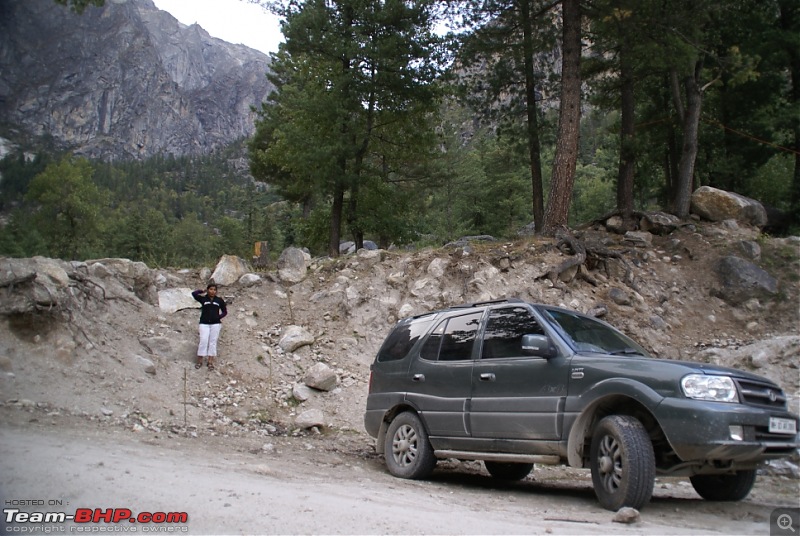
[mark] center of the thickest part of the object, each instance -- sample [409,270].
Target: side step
[543,459]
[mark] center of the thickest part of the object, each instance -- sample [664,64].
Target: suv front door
[515,396]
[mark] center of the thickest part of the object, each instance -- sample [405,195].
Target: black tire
[623,464]
[508,470]
[730,487]
[407,449]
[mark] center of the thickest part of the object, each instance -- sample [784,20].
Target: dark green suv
[513,384]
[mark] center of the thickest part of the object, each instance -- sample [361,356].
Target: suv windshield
[588,335]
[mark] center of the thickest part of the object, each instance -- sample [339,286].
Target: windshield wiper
[626,351]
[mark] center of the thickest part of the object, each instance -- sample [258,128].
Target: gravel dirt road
[306,486]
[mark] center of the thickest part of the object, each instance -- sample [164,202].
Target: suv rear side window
[452,340]
[402,339]
[504,331]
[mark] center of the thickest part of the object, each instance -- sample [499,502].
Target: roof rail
[489,302]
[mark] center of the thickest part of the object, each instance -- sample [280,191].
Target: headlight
[716,388]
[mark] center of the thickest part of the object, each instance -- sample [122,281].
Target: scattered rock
[249,280]
[627,515]
[321,377]
[148,366]
[295,337]
[749,249]
[310,419]
[640,239]
[742,280]
[619,296]
[437,267]
[659,223]
[301,392]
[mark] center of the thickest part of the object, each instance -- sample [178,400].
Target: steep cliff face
[124,81]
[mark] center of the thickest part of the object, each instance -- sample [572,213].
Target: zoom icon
[784,521]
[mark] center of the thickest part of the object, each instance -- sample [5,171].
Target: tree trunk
[534,147]
[691,126]
[627,156]
[566,158]
[336,218]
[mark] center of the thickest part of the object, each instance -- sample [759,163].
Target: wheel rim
[404,445]
[609,463]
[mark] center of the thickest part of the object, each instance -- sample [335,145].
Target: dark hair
[211,285]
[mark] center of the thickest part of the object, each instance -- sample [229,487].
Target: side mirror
[539,346]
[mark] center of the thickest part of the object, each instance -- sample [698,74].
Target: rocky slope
[123,81]
[113,341]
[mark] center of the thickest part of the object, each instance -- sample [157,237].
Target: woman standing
[212,311]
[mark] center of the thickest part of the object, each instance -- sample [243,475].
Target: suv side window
[402,339]
[452,339]
[504,331]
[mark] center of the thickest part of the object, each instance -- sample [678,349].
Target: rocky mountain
[123,81]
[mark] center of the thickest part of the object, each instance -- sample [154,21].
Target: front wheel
[622,461]
[508,470]
[408,451]
[730,487]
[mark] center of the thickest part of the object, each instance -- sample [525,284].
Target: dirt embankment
[101,403]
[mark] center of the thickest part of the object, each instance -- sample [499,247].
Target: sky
[235,21]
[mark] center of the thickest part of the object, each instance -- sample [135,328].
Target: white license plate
[782,426]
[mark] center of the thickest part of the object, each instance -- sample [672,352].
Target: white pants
[209,333]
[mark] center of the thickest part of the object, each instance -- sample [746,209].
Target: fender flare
[611,391]
[388,417]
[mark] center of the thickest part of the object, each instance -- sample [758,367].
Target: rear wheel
[622,461]
[508,470]
[407,449]
[730,487]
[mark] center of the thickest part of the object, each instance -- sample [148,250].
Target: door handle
[418,378]
[487,377]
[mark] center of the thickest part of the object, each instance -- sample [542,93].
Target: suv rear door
[515,396]
[442,374]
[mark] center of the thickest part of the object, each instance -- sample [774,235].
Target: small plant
[260,415]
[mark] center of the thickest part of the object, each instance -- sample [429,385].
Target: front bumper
[701,431]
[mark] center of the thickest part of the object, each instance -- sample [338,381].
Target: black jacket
[212,310]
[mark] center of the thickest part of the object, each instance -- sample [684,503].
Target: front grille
[762,394]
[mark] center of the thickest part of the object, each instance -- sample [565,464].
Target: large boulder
[138,278]
[718,205]
[293,265]
[171,300]
[742,280]
[229,269]
[33,284]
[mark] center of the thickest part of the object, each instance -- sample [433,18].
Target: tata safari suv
[513,384]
